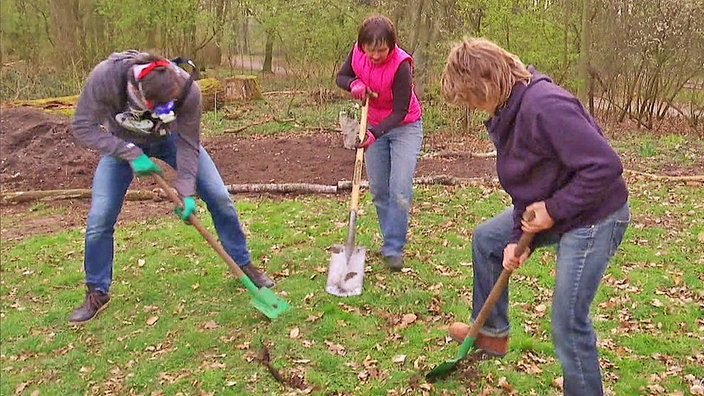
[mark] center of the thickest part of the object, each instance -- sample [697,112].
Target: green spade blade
[450,364]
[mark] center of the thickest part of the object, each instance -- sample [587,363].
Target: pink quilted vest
[380,78]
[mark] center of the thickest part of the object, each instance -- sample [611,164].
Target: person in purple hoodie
[553,160]
[378,65]
[133,106]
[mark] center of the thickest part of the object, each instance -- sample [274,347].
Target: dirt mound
[38,151]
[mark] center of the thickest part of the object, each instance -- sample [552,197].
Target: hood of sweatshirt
[498,126]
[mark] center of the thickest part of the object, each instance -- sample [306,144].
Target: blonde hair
[480,72]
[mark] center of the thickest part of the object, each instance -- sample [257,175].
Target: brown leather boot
[94,302]
[493,346]
[259,278]
[458,331]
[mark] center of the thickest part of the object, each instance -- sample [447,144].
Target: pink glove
[358,89]
[368,140]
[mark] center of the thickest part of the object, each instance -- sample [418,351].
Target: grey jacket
[104,95]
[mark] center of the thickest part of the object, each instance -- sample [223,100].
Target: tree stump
[211,90]
[242,87]
[232,89]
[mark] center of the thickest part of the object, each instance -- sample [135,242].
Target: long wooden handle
[501,283]
[194,221]
[359,159]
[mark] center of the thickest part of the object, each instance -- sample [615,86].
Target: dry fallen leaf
[399,359]
[294,333]
[20,388]
[557,382]
[503,383]
[151,320]
[409,318]
[336,349]
[210,325]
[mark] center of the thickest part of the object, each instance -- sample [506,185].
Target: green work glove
[143,166]
[189,206]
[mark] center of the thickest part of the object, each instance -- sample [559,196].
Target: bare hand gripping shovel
[264,300]
[494,295]
[346,270]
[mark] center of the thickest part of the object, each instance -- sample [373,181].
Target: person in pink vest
[377,65]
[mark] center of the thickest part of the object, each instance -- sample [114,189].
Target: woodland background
[632,58]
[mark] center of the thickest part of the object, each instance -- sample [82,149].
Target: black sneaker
[259,278]
[95,302]
[395,263]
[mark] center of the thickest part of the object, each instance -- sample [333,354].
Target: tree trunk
[268,51]
[584,52]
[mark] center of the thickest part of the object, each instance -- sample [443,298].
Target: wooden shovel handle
[502,282]
[194,221]
[359,159]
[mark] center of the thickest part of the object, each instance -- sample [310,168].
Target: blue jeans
[582,257]
[390,164]
[110,182]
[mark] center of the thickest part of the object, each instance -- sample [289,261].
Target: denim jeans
[390,164]
[582,257]
[110,182]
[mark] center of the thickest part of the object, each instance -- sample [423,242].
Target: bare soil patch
[38,152]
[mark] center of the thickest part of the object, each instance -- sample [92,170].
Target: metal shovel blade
[450,364]
[346,270]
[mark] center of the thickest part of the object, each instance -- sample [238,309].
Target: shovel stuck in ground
[346,270]
[501,283]
[264,299]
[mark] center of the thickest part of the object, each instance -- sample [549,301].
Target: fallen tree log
[56,195]
[459,153]
[295,188]
[299,188]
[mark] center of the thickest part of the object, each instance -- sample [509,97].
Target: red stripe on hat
[151,67]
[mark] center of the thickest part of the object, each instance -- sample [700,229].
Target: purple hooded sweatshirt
[550,149]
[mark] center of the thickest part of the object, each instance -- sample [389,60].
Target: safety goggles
[164,112]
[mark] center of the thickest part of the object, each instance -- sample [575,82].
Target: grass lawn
[179,323]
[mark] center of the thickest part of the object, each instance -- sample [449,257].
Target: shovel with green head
[494,295]
[264,299]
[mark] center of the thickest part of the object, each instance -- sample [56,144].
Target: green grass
[647,312]
[660,150]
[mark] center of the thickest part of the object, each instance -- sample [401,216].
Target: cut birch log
[299,188]
[460,153]
[56,195]
[295,188]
